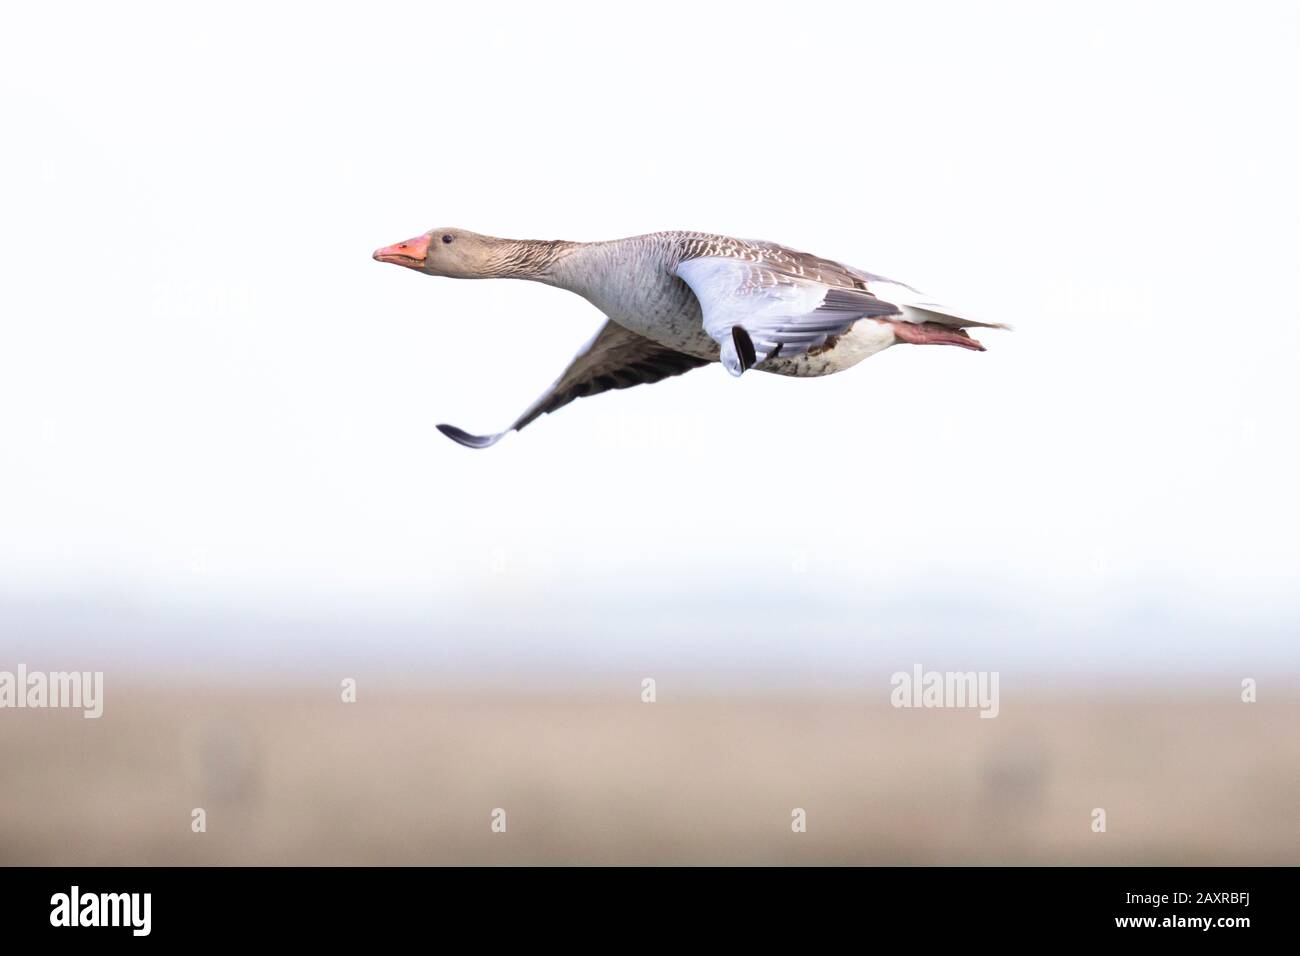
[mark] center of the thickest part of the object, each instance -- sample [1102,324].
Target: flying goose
[674,301]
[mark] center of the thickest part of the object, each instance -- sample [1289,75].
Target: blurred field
[409,776]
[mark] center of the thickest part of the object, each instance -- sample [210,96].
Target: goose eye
[447,238]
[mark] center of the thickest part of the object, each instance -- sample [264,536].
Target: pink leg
[932,333]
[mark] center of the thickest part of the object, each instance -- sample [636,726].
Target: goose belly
[863,340]
[662,313]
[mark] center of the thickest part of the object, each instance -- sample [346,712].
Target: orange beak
[410,253]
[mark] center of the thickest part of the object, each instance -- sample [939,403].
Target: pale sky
[210,393]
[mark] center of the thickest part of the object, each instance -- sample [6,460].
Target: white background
[211,396]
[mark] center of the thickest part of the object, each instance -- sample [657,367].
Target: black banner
[90,906]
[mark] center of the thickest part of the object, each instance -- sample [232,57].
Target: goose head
[452,252]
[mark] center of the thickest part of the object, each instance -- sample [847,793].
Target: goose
[675,301]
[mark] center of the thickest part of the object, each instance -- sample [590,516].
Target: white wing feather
[780,313]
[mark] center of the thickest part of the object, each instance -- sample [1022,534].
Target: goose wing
[614,358]
[755,309]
